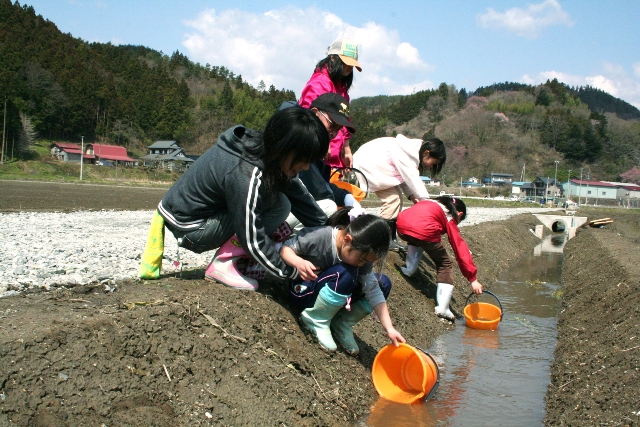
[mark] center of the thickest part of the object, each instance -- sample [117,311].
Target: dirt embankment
[147,354]
[595,377]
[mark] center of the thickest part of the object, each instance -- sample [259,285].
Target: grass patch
[41,167]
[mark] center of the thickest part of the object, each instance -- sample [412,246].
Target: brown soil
[147,355]
[595,377]
[64,197]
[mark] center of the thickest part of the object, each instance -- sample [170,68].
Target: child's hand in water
[306,270]
[395,336]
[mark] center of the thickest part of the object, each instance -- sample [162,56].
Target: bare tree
[27,137]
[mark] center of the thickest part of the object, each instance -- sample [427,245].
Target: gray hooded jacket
[222,180]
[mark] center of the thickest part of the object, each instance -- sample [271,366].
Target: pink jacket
[428,221]
[318,84]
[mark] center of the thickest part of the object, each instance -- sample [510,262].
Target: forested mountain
[596,99]
[507,126]
[601,101]
[64,88]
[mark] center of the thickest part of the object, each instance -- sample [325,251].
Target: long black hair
[454,206]
[436,150]
[369,233]
[335,67]
[293,131]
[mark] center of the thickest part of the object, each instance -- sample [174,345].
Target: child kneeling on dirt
[422,227]
[346,290]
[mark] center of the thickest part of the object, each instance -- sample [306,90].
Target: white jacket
[389,162]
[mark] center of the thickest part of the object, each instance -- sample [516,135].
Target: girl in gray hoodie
[237,194]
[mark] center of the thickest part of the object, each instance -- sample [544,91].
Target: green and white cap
[347,51]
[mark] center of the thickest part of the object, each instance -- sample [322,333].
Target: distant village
[544,190]
[162,154]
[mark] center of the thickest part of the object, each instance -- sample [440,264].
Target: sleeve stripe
[191,225]
[250,224]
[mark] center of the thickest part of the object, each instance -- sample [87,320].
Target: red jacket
[318,84]
[428,221]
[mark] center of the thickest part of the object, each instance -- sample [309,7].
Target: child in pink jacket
[422,227]
[334,74]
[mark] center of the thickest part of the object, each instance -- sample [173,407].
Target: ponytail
[340,218]
[454,206]
[369,233]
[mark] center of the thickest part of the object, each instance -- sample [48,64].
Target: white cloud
[281,47]
[527,22]
[614,80]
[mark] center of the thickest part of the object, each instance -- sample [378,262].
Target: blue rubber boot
[343,323]
[317,319]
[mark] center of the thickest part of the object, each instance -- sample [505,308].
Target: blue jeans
[216,230]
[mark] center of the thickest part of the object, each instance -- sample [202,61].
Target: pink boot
[224,269]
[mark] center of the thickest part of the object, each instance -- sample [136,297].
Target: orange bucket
[482,315]
[355,191]
[405,374]
[343,178]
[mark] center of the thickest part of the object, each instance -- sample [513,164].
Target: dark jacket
[316,179]
[222,180]
[316,182]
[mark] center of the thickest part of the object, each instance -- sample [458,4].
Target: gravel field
[51,249]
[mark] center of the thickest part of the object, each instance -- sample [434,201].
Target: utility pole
[555,182]
[4,123]
[546,193]
[586,196]
[81,157]
[580,187]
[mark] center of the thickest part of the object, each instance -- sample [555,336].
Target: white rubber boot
[412,260]
[443,296]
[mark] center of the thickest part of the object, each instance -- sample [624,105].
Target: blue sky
[405,46]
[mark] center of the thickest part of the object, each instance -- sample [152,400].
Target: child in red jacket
[422,227]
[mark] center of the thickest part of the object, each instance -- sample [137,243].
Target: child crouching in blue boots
[347,289]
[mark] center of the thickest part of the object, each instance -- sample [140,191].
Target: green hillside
[64,88]
[511,127]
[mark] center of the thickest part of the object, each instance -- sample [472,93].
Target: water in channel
[496,378]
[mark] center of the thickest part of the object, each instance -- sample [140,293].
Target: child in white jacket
[393,166]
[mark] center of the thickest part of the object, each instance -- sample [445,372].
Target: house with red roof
[628,193]
[107,155]
[630,190]
[69,152]
[592,192]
